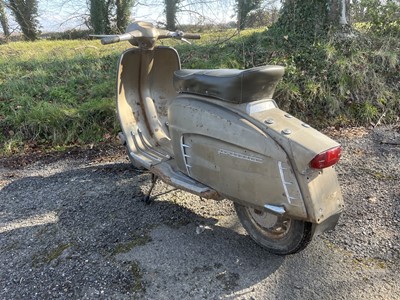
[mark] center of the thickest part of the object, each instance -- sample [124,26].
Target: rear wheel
[277,234]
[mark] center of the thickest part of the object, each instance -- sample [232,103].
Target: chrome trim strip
[183,146]
[275,209]
[285,183]
[240,156]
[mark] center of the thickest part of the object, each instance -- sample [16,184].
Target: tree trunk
[339,13]
[314,18]
[25,12]
[243,7]
[108,15]
[171,7]
[4,20]
[123,13]
[96,16]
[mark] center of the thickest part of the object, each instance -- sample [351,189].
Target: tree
[314,18]
[382,16]
[110,16]
[26,13]
[4,20]
[123,10]
[243,8]
[171,7]
[99,18]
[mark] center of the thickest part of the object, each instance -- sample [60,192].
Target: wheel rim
[270,225]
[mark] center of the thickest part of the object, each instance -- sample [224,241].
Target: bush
[57,93]
[334,81]
[73,34]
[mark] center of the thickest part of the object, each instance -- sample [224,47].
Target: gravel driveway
[77,228]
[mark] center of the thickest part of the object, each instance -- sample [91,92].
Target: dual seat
[230,85]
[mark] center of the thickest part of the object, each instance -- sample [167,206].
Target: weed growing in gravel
[359,263]
[228,279]
[371,263]
[137,275]
[138,240]
[379,175]
[48,257]
[10,247]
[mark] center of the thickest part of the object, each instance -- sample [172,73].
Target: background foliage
[25,13]
[59,93]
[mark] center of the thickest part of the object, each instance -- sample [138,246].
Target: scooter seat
[231,85]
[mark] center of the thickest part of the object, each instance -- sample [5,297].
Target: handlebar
[110,40]
[116,38]
[179,35]
[141,31]
[191,36]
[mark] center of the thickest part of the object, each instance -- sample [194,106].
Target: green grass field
[54,94]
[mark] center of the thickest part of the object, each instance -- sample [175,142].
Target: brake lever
[185,40]
[179,36]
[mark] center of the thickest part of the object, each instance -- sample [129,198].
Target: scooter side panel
[320,188]
[231,155]
[297,138]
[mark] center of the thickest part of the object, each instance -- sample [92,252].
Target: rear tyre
[277,234]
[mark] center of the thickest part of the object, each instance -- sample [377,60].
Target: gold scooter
[219,134]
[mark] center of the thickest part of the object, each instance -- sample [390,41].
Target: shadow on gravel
[81,231]
[86,233]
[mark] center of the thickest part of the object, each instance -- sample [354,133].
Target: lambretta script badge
[240,156]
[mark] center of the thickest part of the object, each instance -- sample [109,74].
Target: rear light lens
[327,158]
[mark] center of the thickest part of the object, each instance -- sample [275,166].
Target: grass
[51,255]
[54,94]
[136,272]
[137,240]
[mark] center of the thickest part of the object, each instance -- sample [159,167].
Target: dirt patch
[100,152]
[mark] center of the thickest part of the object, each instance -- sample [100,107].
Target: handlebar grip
[191,36]
[110,40]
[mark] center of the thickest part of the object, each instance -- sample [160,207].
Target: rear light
[327,158]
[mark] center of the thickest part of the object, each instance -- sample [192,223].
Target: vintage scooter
[219,134]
